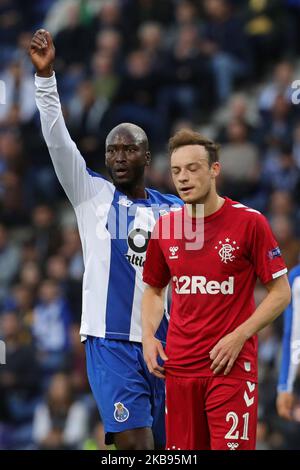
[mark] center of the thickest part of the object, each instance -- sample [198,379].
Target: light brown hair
[189,137]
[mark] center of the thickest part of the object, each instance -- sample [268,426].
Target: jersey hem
[116,336]
[183,375]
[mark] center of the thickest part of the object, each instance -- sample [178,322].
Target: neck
[136,192]
[212,202]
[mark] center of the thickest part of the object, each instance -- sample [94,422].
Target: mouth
[186,190]
[119,172]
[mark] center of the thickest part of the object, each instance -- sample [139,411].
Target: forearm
[269,309]
[53,125]
[152,310]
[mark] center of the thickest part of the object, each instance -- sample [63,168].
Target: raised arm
[69,164]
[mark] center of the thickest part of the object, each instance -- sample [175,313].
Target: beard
[135,177]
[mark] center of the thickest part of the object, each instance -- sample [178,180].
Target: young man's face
[192,174]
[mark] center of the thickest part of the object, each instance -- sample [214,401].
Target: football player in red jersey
[210,361]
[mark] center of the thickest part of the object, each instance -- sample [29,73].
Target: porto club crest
[121,413]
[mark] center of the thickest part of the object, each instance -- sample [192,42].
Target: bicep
[279,285]
[153,291]
[156,270]
[265,252]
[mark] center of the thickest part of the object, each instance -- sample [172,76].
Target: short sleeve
[265,252]
[156,271]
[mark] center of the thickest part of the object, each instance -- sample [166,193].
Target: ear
[215,169]
[148,158]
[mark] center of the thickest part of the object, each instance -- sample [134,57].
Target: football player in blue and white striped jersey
[115,221]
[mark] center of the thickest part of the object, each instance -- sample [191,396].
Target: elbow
[288,297]
[282,291]
[285,297]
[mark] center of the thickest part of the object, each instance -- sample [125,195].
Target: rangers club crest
[226,250]
[121,413]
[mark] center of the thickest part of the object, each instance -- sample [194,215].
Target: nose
[120,156]
[183,176]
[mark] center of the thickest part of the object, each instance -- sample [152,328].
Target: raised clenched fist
[42,53]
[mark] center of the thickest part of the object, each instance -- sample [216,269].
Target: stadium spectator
[18,91]
[226,45]
[60,422]
[240,162]
[280,84]
[86,113]
[104,77]
[9,261]
[50,328]
[289,244]
[73,42]
[20,381]
[264,26]
[45,236]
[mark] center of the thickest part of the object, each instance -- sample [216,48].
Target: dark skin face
[126,157]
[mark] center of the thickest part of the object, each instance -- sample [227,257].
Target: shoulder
[246,213]
[168,219]
[160,198]
[101,178]
[95,174]
[100,183]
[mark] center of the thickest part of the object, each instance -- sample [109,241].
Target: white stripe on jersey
[279,273]
[96,247]
[242,206]
[144,219]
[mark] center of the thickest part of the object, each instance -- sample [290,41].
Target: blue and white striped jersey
[291,336]
[114,230]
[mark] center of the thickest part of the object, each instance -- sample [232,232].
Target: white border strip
[279,273]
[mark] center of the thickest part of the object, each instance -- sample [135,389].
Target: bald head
[126,156]
[136,133]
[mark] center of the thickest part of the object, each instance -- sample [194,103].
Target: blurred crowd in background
[223,67]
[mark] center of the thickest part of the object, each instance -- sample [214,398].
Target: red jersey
[213,286]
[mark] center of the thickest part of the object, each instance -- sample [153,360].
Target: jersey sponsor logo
[173,252]
[200,285]
[137,261]
[137,241]
[121,413]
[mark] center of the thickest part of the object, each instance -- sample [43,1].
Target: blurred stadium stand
[223,67]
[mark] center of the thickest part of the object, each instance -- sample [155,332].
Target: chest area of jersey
[221,254]
[130,229]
